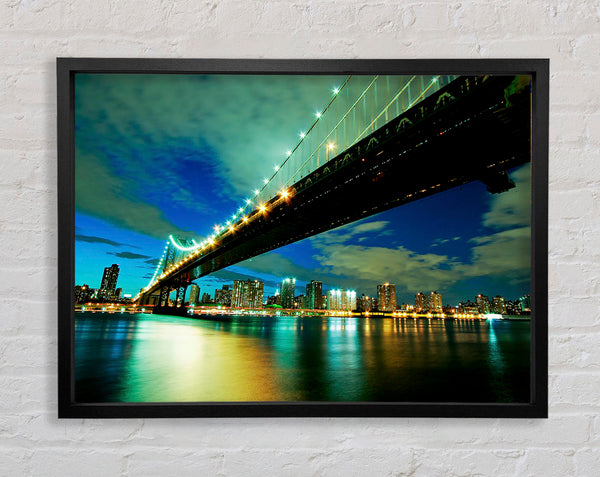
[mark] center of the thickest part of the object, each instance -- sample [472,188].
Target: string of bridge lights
[197,248]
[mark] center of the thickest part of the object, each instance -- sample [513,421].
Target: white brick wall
[34,32]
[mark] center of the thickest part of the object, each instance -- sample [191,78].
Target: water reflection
[151,358]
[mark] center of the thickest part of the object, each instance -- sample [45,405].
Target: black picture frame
[67,68]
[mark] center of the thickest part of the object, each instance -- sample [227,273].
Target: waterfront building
[513,307]
[468,307]
[82,293]
[421,303]
[525,302]
[300,301]
[247,294]
[435,302]
[273,300]
[314,295]
[483,303]
[365,303]
[386,297]
[498,305]
[288,292]
[341,300]
[109,281]
[206,298]
[194,294]
[223,296]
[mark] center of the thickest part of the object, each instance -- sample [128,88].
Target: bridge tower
[173,255]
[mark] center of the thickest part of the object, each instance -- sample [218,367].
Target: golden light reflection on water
[169,359]
[183,363]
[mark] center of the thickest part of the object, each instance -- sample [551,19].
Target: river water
[155,358]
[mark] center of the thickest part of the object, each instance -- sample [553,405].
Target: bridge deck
[469,130]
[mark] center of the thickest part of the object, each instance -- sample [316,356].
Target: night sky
[177,154]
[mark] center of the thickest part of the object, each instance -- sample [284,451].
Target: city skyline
[462,242]
[385,296]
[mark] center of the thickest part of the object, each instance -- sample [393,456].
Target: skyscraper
[247,294]
[421,303]
[109,281]
[386,297]
[194,294]
[314,295]
[435,302]
[288,292]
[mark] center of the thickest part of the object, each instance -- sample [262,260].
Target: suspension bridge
[380,142]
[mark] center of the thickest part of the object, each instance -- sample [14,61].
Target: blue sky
[176,154]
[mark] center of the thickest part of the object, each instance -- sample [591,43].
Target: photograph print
[294,238]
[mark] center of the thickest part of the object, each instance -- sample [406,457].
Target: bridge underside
[464,133]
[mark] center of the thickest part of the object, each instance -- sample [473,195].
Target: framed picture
[302,237]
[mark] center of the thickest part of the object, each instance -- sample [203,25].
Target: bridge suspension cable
[361,105]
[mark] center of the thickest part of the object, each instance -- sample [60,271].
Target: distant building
[483,303]
[342,300]
[288,292]
[300,301]
[365,303]
[223,296]
[82,293]
[247,294]
[273,300]
[513,307]
[206,298]
[109,281]
[314,295]
[525,302]
[468,307]
[194,294]
[118,293]
[498,305]
[386,297]
[421,303]
[435,302]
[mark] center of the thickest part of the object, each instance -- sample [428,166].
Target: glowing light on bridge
[180,247]
[270,190]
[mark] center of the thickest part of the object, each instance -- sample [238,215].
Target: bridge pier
[180,295]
